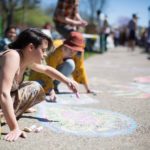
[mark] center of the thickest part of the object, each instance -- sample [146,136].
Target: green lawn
[88,54]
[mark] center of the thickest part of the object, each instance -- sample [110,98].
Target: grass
[88,54]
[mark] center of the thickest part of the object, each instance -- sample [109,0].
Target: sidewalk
[116,118]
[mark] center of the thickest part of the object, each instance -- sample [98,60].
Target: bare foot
[30,110]
[1,114]
[2,118]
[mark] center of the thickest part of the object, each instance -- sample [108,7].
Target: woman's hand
[90,91]
[72,85]
[84,23]
[13,135]
[52,96]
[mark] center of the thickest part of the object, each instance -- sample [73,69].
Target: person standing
[132,27]
[67,17]
[103,30]
[147,45]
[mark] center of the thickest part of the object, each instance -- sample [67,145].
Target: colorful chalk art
[71,99]
[81,121]
[139,88]
[144,79]
[132,90]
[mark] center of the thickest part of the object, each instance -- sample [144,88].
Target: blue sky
[118,8]
[115,9]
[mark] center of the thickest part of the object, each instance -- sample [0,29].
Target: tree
[31,18]
[92,6]
[9,7]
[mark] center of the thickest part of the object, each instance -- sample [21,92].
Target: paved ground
[112,75]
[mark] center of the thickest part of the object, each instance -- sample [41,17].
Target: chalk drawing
[71,99]
[140,88]
[132,90]
[143,79]
[82,121]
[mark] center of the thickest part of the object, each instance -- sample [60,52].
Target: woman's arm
[55,75]
[88,90]
[82,22]
[69,21]
[79,73]
[7,74]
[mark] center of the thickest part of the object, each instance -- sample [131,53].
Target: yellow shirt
[54,60]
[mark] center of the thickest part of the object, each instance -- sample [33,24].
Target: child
[68,58]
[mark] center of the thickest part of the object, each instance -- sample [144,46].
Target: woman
[27,51]
[67,17]
[68,58]
[10,36]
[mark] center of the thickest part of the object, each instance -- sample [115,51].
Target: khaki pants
[29,94]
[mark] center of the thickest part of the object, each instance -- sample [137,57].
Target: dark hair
[98,12]
[134,16]
[30,35]
[8,29]
[47,25]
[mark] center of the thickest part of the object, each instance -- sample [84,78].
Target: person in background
[132,27]
[67,17]
[103,30]
[47,29]
[16,95]
[116,37]
[147,36]
[68,58]
[9,36]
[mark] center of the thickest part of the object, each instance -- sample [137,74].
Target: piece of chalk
[77,95]
[26,129]
[38,129]
[94,94]
[30,129]
[33,127]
